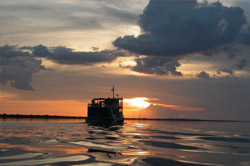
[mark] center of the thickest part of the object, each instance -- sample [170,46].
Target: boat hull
[104,116]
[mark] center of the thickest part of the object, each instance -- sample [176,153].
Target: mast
[113,90]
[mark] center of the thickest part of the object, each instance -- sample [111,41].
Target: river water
[139,143]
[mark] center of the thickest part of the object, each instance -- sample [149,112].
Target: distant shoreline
[20,116]
[17,116]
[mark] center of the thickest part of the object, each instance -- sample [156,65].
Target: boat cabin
[105,111]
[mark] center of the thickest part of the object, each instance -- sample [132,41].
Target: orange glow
[6,95]
[45,107]
[137,107]
[138,102]
[181,108]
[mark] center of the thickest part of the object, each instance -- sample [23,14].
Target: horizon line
[4,115]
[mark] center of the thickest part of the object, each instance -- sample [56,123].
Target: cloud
[242,63]
[18,67]
[172,28]
[244,36]
[39,50]
[204,75]
[157,65]
[119,14]
[64,17]
[175,29]
[64,55]
[229,71]
[159,111]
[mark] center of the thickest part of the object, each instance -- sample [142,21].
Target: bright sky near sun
[139,102]
[167,58]
[136,104]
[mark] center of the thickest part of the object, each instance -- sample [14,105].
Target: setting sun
[139,102]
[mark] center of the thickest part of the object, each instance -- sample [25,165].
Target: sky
[166,58]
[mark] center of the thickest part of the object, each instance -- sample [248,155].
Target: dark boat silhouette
[105,111]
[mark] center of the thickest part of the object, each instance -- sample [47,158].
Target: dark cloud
[64,55]
[17,67]
[39,50]
[204,75]
[95,48]
[179,27]
[242,63]
[231,51]
[157,65]
[172,28]
[245,36]
[229,71]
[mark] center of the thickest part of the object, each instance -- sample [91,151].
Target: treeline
[194,120]
[163,119]
[40,116]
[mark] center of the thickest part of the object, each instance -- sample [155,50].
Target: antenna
[113,90]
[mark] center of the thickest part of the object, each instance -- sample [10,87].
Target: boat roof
[108,98]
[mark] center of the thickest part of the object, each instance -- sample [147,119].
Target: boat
[105,111]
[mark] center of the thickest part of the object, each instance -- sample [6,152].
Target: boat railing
[103,105]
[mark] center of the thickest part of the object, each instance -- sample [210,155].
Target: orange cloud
[181,108]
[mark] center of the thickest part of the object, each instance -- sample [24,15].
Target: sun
[139,102]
